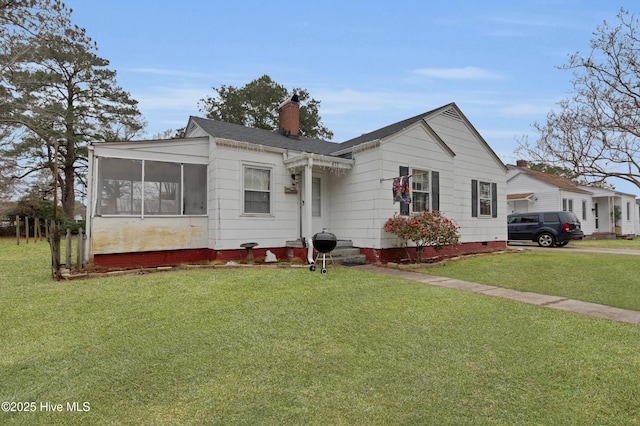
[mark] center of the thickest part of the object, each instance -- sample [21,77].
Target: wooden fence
[37,230]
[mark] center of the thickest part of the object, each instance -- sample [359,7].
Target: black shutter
[474,198]
[435,191]
[494,200]
[404,208]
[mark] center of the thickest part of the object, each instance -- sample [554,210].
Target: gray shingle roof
[387,130]
[236,132]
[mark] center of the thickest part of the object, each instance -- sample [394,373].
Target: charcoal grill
[323,242]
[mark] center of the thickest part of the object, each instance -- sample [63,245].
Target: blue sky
[369,63]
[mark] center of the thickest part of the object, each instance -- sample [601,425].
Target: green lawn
[617,243]
[599,278]
[287,346]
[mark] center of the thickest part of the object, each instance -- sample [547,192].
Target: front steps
[344,253]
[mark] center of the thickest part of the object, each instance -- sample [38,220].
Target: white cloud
[465,73]
[349,101]
[169,72]
[170,98]
[528,109]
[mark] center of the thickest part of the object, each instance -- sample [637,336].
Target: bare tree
[596,132]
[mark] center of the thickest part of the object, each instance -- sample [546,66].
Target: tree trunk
[68,193]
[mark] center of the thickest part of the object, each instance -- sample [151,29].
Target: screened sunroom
[147,196]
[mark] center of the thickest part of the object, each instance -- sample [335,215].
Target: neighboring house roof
[555,180]
[603,192]
[522,196]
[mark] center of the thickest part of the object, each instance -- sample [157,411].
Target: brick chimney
[522,163]
[289,117]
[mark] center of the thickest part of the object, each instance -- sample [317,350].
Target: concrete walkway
[554,302]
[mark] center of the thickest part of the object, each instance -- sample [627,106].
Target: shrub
[428,228]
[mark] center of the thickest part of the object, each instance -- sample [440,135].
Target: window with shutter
[421,190]
[484,199]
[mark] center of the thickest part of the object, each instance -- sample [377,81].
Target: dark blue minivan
[548,229]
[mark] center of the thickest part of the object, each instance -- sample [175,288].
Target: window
[162,188]
[421,190]
[316,197]
[530,218]
[628,211]
[257,190]
[584,210]
[425,189]
[126,187]
[484,199]
[567,204]
[551,218]
[195,188]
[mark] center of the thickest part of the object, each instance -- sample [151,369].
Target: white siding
[627,223]
[193,150]
[360,203]
[473,161]
[354,203]
[228,225]
[546,197]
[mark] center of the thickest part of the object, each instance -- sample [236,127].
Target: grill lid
[324,241]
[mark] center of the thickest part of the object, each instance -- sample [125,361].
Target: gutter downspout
[308,176]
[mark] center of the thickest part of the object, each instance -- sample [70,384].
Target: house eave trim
[320,161]
[358,148]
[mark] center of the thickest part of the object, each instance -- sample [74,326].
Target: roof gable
[424,127]
[450,111]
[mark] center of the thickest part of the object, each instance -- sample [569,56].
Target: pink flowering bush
[428,228]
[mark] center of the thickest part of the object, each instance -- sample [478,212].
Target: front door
[318,208]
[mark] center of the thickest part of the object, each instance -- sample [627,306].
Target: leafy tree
[425,229]
[596,133]
[60,94]
[256,105]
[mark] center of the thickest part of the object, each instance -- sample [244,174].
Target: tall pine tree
[60,92]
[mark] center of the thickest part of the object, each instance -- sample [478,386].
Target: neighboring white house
[201,197]
[533,191]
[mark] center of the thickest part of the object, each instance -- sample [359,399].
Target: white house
[533,191]
[201,197]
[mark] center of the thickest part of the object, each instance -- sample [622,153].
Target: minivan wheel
[546,240]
